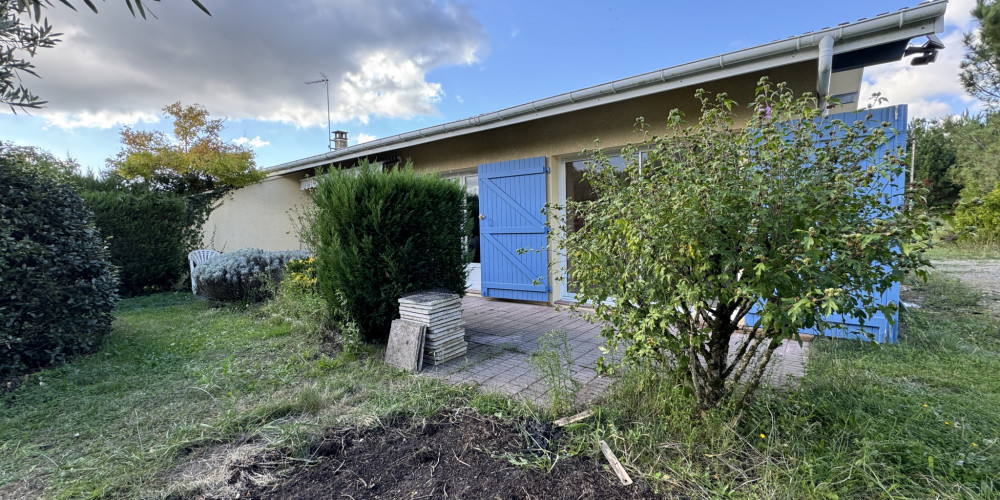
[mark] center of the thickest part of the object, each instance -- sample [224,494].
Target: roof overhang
[862,43]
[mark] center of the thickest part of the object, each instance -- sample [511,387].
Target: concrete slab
[406,345]
[502,334]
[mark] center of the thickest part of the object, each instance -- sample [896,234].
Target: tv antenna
[329,129]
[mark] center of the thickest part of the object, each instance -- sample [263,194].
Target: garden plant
[380,235]
[57,285]
[246,275]
[785,211]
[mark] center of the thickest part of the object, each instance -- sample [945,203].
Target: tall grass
[920,419]
[965,251]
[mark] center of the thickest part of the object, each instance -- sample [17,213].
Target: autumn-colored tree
[195,160]
[195,163]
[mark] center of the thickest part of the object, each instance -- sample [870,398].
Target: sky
[399,65]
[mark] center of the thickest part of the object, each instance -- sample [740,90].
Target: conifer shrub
[57,285]
[145,231]
[381,235]
[245,275]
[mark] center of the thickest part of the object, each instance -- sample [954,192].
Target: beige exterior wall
[613,124]
[565,137]
[258,216]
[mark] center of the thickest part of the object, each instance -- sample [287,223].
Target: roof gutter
[926,18]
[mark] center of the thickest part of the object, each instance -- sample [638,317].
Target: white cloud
[98,119]
[251,59]
[255,143]
[459,99]
[389,85]
[932,91]
[959,14]
[363,137]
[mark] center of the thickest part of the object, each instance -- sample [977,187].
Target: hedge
[381,235]
[145,232]
[982,214]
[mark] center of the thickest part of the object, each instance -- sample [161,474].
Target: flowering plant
[300,275]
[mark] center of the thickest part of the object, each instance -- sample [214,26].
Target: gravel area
[981,274]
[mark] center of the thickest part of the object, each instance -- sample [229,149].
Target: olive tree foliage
[981,66]
[784,211]
[24,30]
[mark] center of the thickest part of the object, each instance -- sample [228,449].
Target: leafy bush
[57,286]
[145,232]
[719,217]
[243,275]
[384,234]
[984,215]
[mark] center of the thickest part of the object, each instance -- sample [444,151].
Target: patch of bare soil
[226,471]
[28,488]
[460,456]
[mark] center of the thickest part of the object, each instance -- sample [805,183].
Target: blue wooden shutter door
[878,327]
[511,198]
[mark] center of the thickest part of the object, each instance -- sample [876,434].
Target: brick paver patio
[502,334]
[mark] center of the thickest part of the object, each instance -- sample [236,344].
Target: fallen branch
[615,464]
[573,419]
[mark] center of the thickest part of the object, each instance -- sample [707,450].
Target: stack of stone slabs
[441,312]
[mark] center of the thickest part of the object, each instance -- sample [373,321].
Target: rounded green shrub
[381,235]
[245,275]
[57,285]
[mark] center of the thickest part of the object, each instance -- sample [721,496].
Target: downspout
[824,72]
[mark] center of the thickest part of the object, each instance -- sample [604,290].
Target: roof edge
[909,22]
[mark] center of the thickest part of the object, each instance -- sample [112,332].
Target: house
[519,158]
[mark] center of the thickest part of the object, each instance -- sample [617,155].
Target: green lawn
[180,378]
[951,251]
[176,377]
[916,420]
[920,419]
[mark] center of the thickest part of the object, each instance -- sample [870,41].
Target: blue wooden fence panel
[878,327]
[511,198]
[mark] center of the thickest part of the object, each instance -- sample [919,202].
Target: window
[470,180]
[578,189]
